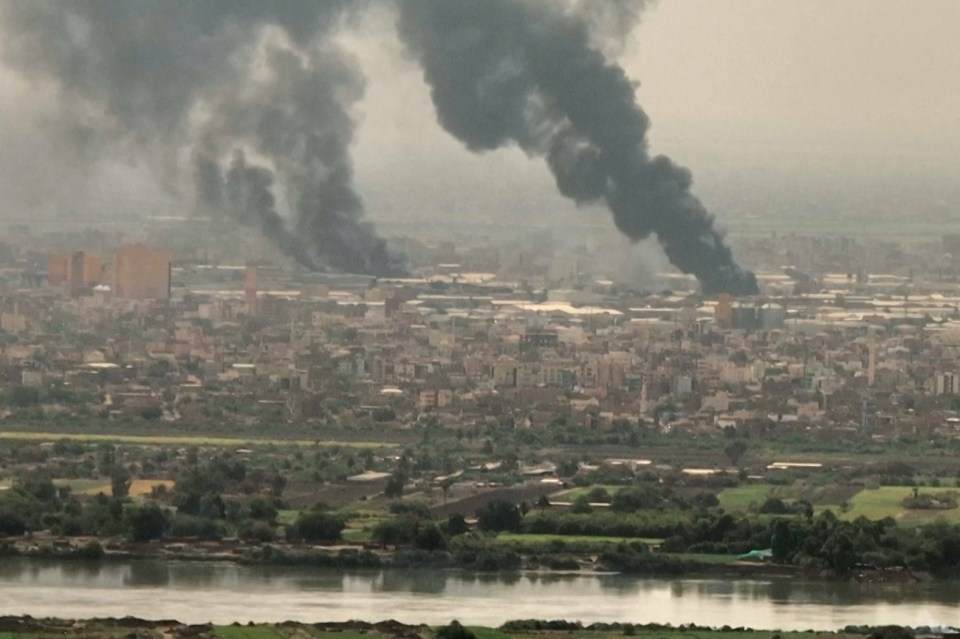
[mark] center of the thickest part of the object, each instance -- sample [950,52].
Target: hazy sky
[749,94]
[774,88]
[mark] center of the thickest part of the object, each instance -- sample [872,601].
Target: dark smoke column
[154,77]
[525,72]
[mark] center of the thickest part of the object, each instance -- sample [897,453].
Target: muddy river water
[223,593]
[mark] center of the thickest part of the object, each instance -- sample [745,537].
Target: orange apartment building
[142,273]
[77,270]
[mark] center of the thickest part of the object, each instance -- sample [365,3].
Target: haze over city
[760,98]
[479,319]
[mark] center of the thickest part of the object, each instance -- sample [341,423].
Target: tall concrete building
[58,269]
[79,271]
[75,278]
[92,271]
[141,273]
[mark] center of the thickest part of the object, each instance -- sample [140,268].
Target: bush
[890,632]
[774,506]
[199,527]
[633,498]
[429,537]
[581,505]
[454,631]
[415,508]
[598,495]
[396,531]
[12,525]
[260,508]
[146,523]
[313,526]
[456,525]
[648,563]
[259,531]
[529,626]
[499,515]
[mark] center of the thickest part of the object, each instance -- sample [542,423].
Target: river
[222,593]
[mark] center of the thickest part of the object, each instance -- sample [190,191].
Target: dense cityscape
[849,340]
[398,319]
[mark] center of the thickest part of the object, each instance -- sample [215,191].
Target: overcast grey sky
[815,86]
[784,88]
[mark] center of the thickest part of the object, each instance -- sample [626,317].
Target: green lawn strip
[247,632]
[519,538]
[702,558]
[81,485]
[184,440]
[482,632]
[320,633]
[675,633]
[357,535]
[742,497]
[287,516]
[573,493]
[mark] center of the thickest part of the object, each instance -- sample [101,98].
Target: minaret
[250,287]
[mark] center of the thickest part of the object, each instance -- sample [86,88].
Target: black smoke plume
[158,75]
[265,75]
[526,72]
[245,195]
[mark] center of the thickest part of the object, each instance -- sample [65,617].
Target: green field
[522,538]
[184,440]
[872,503]
[887,501]
[307,631]
[357,535]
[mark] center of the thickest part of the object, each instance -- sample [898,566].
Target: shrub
[499,515]
[259,531]
[200,527]
[415,508]
[313,526]
[12,525]
[454,631]
[146,523]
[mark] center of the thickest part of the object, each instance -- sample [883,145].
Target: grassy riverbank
[131,628]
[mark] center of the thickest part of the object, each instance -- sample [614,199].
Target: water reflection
[417,581]
[147,574]
[225,592]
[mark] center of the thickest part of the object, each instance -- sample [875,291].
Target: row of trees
[35,504]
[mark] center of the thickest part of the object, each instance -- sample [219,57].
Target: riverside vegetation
[642,523]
